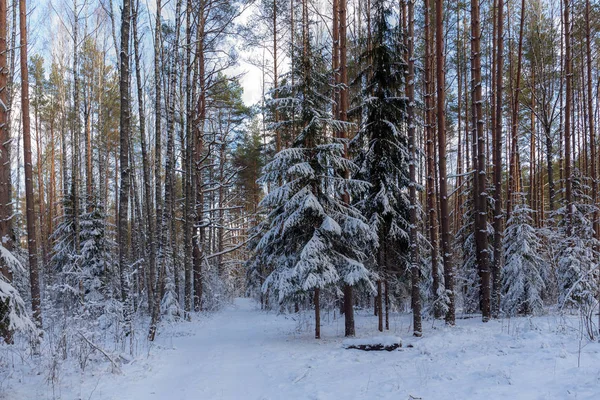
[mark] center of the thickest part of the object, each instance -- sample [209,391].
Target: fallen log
[378,343]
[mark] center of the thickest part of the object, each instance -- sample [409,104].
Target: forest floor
[245,353]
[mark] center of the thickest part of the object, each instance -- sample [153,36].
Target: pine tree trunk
[592,137]
[497,160]
[429,153]
[75,157]
[479,179]
[567,121]
[40,181]
[34,279]
[515,169]
[443,190]
[343,116]
[6,209]
[592,133]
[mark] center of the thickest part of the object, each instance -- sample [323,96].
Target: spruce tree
[578,254]
[311,237]
[522,276]
[381,143]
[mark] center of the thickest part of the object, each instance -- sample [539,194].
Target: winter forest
[193,191]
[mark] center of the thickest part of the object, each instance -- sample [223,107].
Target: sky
[46,34]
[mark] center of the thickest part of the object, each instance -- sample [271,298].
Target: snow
[245,353]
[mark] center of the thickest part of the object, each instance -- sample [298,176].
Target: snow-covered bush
[13,311]
[578,249]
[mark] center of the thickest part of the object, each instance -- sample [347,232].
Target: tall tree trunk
[343,116]
[414,218]
[441,131]
[497,159]
[275,75]
[480,177]
[514,168]
[75,157]
[34,279]
[150,219]
[568,111]
[6,209]
[590,112]
[124,135]
[157,161]
[187,165]
[592,137]
[430,167]
[40,180]
[158,116]
[199,232]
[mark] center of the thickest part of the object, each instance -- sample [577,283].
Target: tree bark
[497,160]
[317,314]
[430,167]
[124,135]
[515,168]
[6,209]
[568,111]
[75,157]
[150,219]
[34,279]
[590,112]
[479,179]
[443,190]
[414,218]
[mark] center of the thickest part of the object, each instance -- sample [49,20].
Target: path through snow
[244,353]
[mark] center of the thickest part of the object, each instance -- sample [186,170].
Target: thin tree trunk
[198,158]
[157,118]
[124,135]
[568,105]
[441,121]
[386,286]
[317,314]
[590,112]
[150,219]
[480,177]
[515,169]
[414,218]
[497,160]
[430,168]
[6,209]
[75,157]
[34,279]
[343,116]
[187,164]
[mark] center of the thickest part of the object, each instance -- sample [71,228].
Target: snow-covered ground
[243,353]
